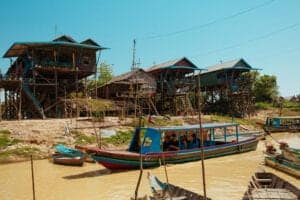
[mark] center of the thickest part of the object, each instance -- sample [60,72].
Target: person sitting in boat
[183,142]
[192,141]
[166,142]
[173,144]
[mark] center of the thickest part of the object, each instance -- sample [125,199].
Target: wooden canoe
[62,159]
[264,185]
[280,163]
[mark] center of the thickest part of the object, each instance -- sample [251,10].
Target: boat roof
[286,117]
[196,126]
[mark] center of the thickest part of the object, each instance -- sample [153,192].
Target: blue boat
[184,146]
[67,156]
[280,124]
[68,151]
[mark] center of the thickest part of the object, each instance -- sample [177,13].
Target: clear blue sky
[267,36]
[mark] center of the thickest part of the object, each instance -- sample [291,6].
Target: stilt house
[174,85]
[43,74]
[227,89]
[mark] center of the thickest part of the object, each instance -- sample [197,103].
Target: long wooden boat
[264,185]
[62,159]
[68,156]
[280,124]
[288,161]
[154,146]
[166,191]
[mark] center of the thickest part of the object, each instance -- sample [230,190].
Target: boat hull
[65,160]
[264,185]
[127,160]
[284,166]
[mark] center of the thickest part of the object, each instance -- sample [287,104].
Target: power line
[262,37]
[210,23]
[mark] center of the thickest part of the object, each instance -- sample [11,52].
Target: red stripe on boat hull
[114,166]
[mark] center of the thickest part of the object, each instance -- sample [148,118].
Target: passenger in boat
[183,142]
[173,144]
[166,142]
[192,141]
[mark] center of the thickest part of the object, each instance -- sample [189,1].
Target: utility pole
[133,66]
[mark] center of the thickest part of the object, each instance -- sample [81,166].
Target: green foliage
[82,139]
[5,139]
[4,132]
[263,105]
[158,121]
[242,121]
[293,106]
[122,137]
[105,75]
[265,88]
[24,152]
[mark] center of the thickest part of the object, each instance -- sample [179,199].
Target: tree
[265,88]
[104,74]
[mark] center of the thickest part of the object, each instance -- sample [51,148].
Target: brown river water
[226,177]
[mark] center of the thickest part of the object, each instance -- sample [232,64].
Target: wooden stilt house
[227,88]
[43,74]
[133,91]
[174,85]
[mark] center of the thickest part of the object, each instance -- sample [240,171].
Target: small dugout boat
[62,159]
[267,186]
[281,124]
[176,144]
[67,156]
[167,191]
[288,161]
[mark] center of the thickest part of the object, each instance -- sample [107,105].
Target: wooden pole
[56,93]
[65,103]
[0,106]
[141,161]
[5,104]
[202,137]
[166,173]
[32,178]
[20,102]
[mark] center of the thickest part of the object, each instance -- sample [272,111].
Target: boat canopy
[151,138]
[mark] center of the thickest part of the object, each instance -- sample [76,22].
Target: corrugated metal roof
[18,48]
[89,41]
[64,38]
[237,63]
[124,76]
[169,64]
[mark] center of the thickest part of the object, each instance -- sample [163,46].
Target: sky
[263,32]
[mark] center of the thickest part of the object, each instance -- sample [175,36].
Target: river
[226,177]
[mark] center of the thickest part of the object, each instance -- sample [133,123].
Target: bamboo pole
[20,102]
[32,178]
[0,106]
[141,161]
[202,138]
[166,174]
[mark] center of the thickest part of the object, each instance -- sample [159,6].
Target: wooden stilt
[32,178]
